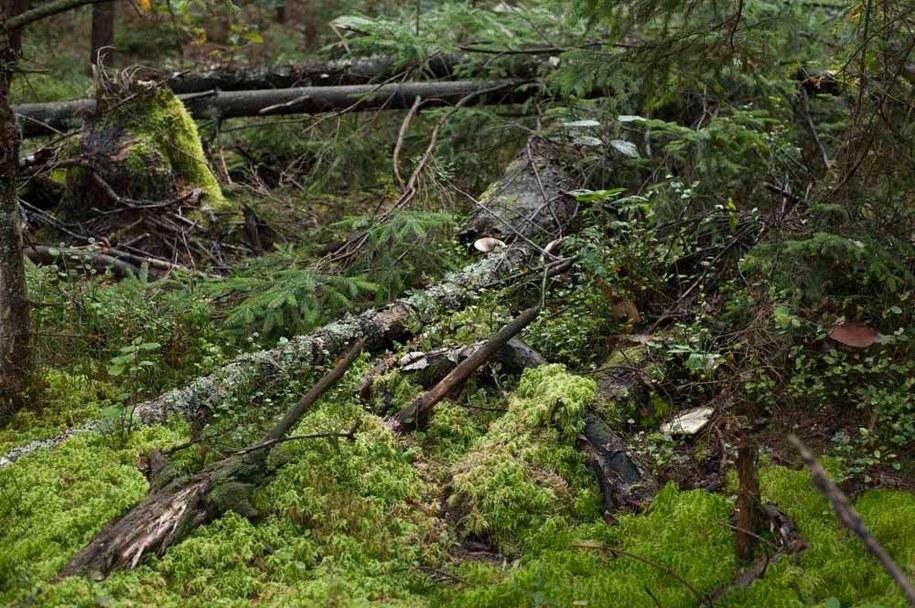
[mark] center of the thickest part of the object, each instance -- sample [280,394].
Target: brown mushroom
[854,334]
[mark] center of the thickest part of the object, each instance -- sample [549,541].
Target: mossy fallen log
[267,370]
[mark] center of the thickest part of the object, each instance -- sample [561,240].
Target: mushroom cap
[487,244]
[854,334]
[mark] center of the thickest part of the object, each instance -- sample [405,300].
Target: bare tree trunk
[301,13]
[102,32]
[748,498]
[14,305]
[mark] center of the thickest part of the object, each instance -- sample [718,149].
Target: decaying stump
[748,499]
[139,149]
[529,200]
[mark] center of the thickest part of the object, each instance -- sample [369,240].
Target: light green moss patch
[165,128]
[836,563]
[53,502]
[526,471]
[686,532]
[60,400]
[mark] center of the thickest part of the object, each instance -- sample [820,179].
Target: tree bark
[15,361]
[37,117]
[748,499]
[103,15]
[363,70]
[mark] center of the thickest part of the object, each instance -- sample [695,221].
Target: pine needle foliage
[288,293]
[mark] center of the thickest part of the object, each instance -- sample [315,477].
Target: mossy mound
[147,148]
[526,472]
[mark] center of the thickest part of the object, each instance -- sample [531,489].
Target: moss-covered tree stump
[142,147]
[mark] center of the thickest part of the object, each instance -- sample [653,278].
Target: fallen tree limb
[40,254]
[362,70]
[416,415]
[44,118]
[181,505]
[267,369]
[849,518]
[624,480]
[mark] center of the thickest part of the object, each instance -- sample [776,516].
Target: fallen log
[362,70]
[625,482]
[181,505]
[37,119]
[267,369]
[416,414]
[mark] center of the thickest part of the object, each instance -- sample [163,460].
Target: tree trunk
[748,499]
[102,32]
[14,305]
[303,100]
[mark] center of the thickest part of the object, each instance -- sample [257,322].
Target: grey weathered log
[624,480]
[362,70]
[36,118]
[379,328]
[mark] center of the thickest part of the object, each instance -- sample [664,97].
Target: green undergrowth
[360,523]
[63,400]
[53,502]
[526,472]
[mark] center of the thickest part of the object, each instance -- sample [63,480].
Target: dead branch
[37,117]
[173,511]
[849,518]
[417,413]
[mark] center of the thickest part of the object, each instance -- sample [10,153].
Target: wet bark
[14,304]
[748,499]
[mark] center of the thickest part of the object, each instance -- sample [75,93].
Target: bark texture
[14,304]
[363,70]
[528,200]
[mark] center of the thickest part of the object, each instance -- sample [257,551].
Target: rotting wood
[748,499]
[416,414]
[625,482]
[268,369]
[183,504]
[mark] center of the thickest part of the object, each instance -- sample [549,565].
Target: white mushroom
[487,244]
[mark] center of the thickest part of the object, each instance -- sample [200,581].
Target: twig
[415,415]
[400,136]
[849,518]
[349,435]
[315,393]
